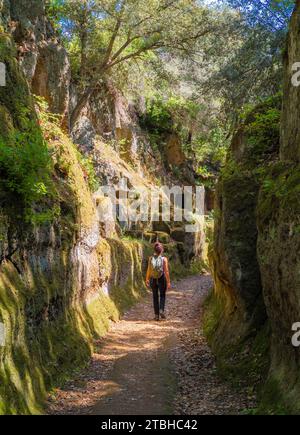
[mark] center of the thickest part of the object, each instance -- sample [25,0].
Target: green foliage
[126,41]
[214,308]
[212,146]
[210,150]
[51,124]
[176,114]
[247,67]
[73,48]
[271,400]
[25,163]
[89,170]
[262,126]
[280,185]
[244,364]
[111,33]
[166,115]
[55,11]
[207,176]
[158,117]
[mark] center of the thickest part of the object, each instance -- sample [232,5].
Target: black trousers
[159,288]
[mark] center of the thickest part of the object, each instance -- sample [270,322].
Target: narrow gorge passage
[142,366]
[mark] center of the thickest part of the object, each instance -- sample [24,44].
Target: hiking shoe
[162,315]
[156,318]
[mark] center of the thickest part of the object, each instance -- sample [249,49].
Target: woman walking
[158,278]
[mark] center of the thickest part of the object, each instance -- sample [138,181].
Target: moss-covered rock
[236,319]
[290,131]
[245,362]
[234,263]
[15,96]
[259,207]
[278,219]
[278,249]
[58,291]
[233,254]
[60,284]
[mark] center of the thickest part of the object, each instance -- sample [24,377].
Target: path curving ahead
[143,367]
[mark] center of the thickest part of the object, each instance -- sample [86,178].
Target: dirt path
[145,367]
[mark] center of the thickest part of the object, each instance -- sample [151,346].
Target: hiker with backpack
[158,278]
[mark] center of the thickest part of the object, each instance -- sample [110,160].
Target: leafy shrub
[25,163]
[210,151]
[262,126]
[169,115]
[157,118]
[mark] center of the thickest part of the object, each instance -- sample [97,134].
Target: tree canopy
[274,14]
[103,34]
[220,55]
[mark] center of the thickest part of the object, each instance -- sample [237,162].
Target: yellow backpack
[156,266]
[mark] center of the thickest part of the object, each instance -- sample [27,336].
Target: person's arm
[167,272]
[148,274]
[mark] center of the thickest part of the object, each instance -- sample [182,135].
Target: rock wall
[110,116]
[62,278]
[60,283]
[279,240]
[43,58]
[256,248]
[290,130]
[233,253]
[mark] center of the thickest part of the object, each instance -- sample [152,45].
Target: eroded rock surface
[279,239]
[257,243]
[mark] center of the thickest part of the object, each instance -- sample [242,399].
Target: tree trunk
[80,105]
[83,60]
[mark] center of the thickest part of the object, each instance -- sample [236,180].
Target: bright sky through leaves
[274,14]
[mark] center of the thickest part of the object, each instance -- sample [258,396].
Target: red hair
[158,248]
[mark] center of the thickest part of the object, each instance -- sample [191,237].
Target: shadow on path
[132,372]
